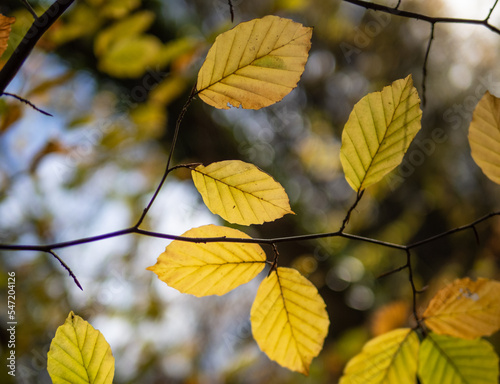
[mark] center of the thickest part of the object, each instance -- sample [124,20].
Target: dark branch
[30,9]
[231,10]
[418,16]
[424,68]
[66,268]
[491,11]
[27,102]
[37,29]
[170,155]
[349,212]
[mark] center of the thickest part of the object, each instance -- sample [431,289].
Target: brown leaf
[5,23]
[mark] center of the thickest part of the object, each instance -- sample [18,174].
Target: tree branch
[36,31]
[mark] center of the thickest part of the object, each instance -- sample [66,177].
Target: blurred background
[115,75]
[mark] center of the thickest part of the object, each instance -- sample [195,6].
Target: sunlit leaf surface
[484,136]
[240,192]
[446,359]
[79,354]
[255,64]
[466,309]
[380,129]
[387,359]
[289,319]
[203,269]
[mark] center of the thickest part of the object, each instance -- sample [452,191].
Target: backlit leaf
[255,64]
[446,359]
[131,57]
[79,354]
[378,133]
[131,26]
[240,192]
[203,269]
[387,359]
[466,309]
[289,319]
[5,23]
[484,136]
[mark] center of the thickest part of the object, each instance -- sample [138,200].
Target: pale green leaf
[379,131]
[484,136]
[255,64]
[289,319]
[449,360]
[390,358]
[131,26]
[213,268]
[240,192]
[131,57]
[79,354]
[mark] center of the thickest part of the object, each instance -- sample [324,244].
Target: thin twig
[30,9]
[138,231]
[27,102]
[413,289]
[424,68]
[391,272]
[491,11]
[274,265]
[348,215]
[172,148]
[231,10]
[419,16]
[66,268]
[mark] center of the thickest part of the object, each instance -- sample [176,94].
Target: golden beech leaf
[378,133]
[484,136]
[255,64]
[289,319]
[216,268]
[466,309]
[79,354]
[240,192]
[457,361]
[5,23]
[387,359]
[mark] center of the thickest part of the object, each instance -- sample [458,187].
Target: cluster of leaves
[253,66]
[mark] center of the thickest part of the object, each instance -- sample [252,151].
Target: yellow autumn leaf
[240,192]
[484,136]
[390,358]
[79,354]
[5,23]
[446,359]
[289,319]
[255,64]
[378,132]
[203,269]
[465,308]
